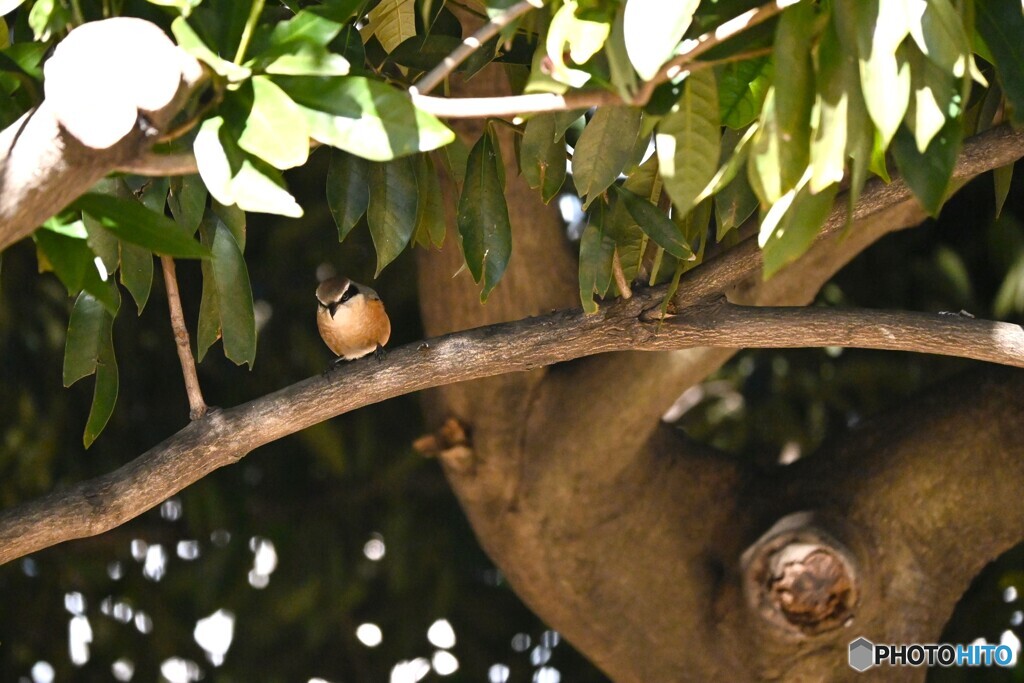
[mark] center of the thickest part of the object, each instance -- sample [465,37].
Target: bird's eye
[349,293]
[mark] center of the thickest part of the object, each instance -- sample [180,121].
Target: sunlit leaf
[656,224]
[687,141]
[365,117]
[275,129]
[392,21]
[391,214]
[348,190]
[484,229]
[621,68]
[604,149]
[190,41]
[935,97]
[583,37]
[653,29]
[541,157]
[307,59]
[793,235]
[305,27]
[74,263]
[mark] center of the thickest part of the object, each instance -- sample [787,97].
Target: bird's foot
[333,365]
[380,354]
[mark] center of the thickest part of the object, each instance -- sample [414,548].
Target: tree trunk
[661,560]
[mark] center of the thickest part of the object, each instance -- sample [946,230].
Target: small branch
[470,45]
[698,46]
[225,437]
[196,404]
[159,165]
[516,105]
[723,324]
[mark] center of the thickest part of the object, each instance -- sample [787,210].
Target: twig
[196,404]
[537,103]
[159,165]
[698,46]
[470,45]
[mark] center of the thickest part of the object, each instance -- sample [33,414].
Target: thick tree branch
[196,404]
[225,437]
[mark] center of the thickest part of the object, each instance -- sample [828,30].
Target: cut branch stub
[799,578]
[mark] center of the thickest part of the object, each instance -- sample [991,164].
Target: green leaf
[653,29]
[430,219]
[604,149]
[187,200]
[137,272]
[391,214]
[275,129]
[1001,25]
[392,21]
[597,249]
[619,65]
[742,87]
[878,27]
[734,204]
[75,265]
[365,117]
[688,141]
[348,190]
[132,222]
[305,27]
[48,17]
[190,41]
[656,224]
[184,7]
[484,229]
[234,178]
[794,93]
[794,234]
[935,97]
[226,307]
[542,158]
[89,349]
[234,219]
[939,32]
[103,243]
[307,59]
[928,174]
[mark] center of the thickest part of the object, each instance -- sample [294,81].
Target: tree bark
[654,555]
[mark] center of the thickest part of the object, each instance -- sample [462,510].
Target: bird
[351,319]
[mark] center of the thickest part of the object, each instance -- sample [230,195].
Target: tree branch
[512,105]
[196,404]
[225,437]
[160,165]
[470,45]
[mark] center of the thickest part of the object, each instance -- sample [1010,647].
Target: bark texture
[663,561]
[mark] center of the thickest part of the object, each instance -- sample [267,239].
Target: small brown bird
[351,319]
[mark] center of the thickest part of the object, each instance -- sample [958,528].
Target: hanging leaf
[391,214]
[89,349]
[430,220]
[226,308]
[186,197]
[793,235]
[604,149]
[597,249]
[348,190]
[484,229]
[742,87]
[274,129]
[541,157]
[688,141]
[928,174]
[1001,24]
[74,263]
[656,224]
[392,22]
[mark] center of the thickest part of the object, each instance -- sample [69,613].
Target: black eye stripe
[349,293]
